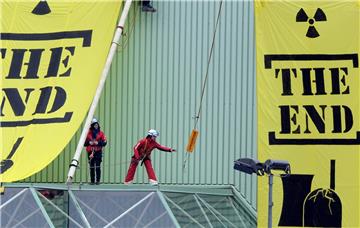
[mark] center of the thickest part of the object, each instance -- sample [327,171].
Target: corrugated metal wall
[156,81]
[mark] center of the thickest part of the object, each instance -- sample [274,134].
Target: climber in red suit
[142,152]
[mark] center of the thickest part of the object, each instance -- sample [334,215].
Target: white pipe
[95,101]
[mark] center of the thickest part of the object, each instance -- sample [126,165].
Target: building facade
[156,82]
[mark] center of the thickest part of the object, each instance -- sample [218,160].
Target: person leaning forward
[142,152]
[95,141]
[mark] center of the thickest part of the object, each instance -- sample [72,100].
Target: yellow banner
[308,88]
[52,55]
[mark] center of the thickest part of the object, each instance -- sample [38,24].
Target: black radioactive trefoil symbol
[42,8]
[301,16]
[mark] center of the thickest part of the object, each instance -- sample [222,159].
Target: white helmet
[94,120]
[153,132]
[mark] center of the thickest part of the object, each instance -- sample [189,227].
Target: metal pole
[271,179]
[120,27]
[169,211]
[128,210]
[41,207]
[78,209]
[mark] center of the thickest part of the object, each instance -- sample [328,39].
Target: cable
[129,32]
[197,117]
[207,68]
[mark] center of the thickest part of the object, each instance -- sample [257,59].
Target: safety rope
[118,163]
[108,165]
[129,32]
[197,117]
[103,164]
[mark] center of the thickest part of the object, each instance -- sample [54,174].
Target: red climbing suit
[142,151]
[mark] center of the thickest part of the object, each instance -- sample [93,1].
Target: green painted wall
[155,82]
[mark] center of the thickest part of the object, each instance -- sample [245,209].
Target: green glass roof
[57,205]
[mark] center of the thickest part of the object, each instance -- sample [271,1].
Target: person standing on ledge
[95,141]
[142,152]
